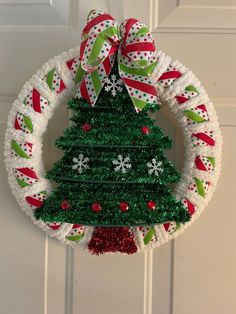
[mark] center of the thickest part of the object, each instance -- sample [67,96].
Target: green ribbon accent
[18,150]
[98,44]
[28,123]
[22,183]
[140,104]
[138,71]
[75,238]
[49,79]
[191,88]
[178,225]
[79,74]
[148,236]
[212,161]
[143,31]
[96,81]
[193,116]
[200,188]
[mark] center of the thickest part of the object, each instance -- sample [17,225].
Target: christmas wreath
[113,183]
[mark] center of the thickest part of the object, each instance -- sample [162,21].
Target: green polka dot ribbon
[131,43]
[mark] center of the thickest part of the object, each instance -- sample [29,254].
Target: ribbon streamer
[131,44]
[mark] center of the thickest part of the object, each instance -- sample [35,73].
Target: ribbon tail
[139,86]
[92,83]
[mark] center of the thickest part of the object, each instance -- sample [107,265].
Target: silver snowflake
[122,163]
[81,163]
[155,167]
[113,85]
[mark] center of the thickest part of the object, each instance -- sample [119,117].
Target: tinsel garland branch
[108,196]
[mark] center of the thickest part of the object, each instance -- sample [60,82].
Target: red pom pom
[65,205]
[145,130]
[124,206]
[151,205]
[86,127]
[96,207]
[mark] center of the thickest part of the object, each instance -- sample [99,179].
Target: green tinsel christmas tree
[114,171]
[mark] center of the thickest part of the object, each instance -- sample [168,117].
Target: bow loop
[100,39]
[138,44]
[133,45]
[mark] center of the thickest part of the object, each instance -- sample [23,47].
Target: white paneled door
[195,274]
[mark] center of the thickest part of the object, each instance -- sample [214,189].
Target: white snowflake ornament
[81,163]
[155,167]
[122,163]
[113,85]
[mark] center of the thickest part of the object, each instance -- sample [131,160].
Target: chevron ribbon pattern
[54,82]
[76,233]
[199,186]
[147,234]
[36,200]
[23,123]
[190,207]
[54,225]
[196,115]
[203,139]
[188,93]
[204,163]
[169,76]
[23,150]
[36,101]
[25,176]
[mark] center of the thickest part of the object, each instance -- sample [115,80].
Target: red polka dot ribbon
[131,44]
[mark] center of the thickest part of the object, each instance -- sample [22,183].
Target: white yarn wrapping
[40,122]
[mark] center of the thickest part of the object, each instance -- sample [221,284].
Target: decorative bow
[133,46]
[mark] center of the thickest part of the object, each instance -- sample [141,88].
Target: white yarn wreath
[53,85]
